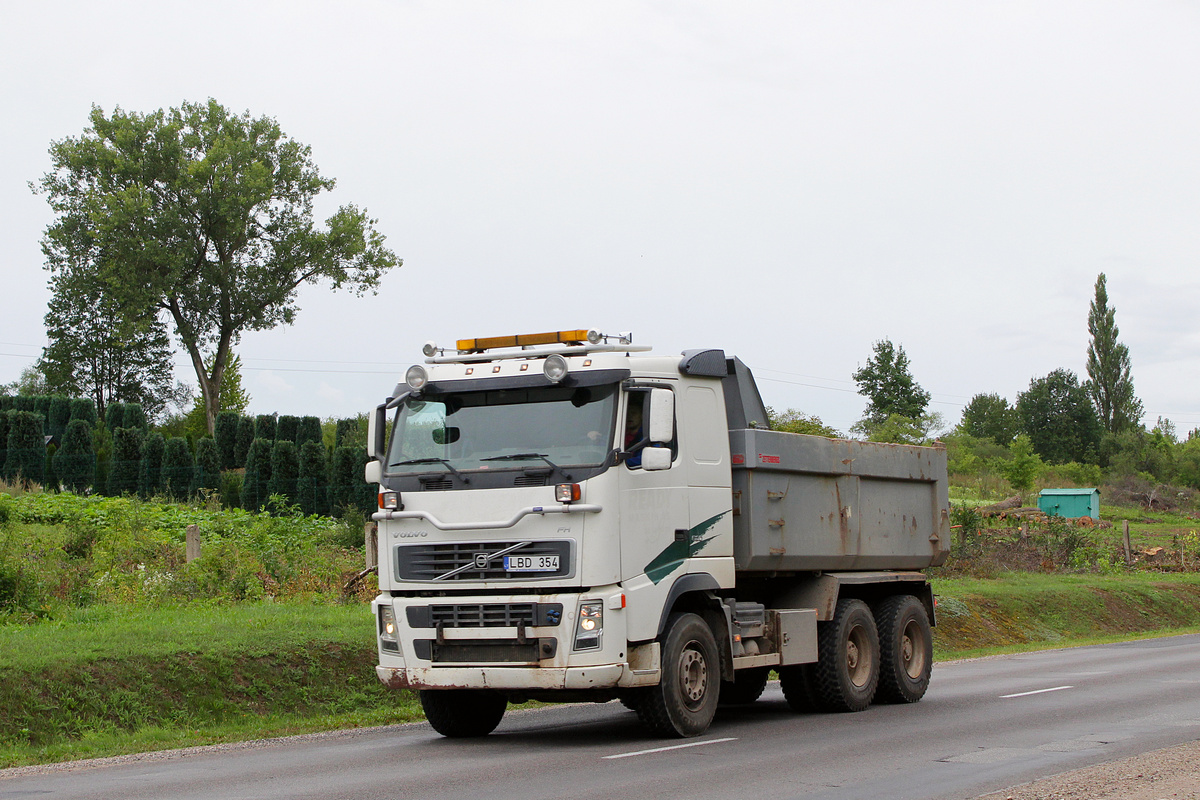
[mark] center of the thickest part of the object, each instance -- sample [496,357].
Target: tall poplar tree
[1109,382]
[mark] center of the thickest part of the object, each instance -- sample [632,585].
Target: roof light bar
[525,340]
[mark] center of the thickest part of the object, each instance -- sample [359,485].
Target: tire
[847,669]
[463,713]
[905,649]
[746,687]
[796,682]
[685,700]
[631,699]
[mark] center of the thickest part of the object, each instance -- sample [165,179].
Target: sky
[788,181]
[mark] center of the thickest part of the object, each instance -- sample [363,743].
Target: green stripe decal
[674,555]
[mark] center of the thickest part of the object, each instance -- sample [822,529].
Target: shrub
[208,465]
[75,461]
[312,483]
[126,461]
[134,416]
[4,440]
[6,403]
[341,479]
[287,428]
[178,468]
[114,415]
[245,435]
[225,432]
[258,475]
[264,427]
[58,417]
[231,489]
[84,408]
[23,402]
[26,461]
[150,478]
[285,469]
[308,430]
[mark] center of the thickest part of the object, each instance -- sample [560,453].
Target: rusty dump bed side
[811,503]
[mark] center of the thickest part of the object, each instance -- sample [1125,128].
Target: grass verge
[109,681]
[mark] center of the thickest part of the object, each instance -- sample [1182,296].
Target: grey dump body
[807,503]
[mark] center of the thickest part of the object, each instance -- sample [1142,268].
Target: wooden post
[192,551]
[1128,545]
[371,544]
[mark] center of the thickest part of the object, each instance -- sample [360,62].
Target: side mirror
[373,472]
[661,426]
[656,458]
[376,428]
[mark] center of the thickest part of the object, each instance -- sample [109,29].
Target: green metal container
[1070,502]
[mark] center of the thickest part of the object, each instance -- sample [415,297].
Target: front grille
[530,480]
[485,615]
[437,484]
[434,561]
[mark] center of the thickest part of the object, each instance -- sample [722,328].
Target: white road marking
[672,747]
[1035,691]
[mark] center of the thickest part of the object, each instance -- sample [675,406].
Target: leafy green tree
[233,399]
[285,469]
[114,416]
[97,350]
[899,429]
[889,386]
[989,416]
[312,482]
[1110,384]
[208,465]
[59,416]
[1057,415]
[1024,466]
[134,416]
[178,468]
[75,461]
[84,408]
[342,479]
[26,460]
[4,442]
[206,216]
[126,461]
[150,481]
[791,421]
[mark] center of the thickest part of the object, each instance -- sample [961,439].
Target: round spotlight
[416,377]
[555,368]
[430,349]
[594,337]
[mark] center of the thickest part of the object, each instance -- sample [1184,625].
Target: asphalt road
[985,724]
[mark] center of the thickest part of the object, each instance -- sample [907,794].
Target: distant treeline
[60,444]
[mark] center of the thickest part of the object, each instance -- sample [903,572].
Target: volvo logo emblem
[482,560]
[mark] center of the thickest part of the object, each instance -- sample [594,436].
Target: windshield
[503,429]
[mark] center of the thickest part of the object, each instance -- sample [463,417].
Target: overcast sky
[788,181]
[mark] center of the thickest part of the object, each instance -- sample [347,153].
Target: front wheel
[685,700]
[463,713]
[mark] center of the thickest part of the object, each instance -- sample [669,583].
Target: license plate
[531,563]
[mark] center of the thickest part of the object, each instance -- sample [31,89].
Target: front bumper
[604,676]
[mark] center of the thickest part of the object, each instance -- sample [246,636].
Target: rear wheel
[746,687]
[685,700]
[796,682]
[905,649]
[847,669]
[463,713]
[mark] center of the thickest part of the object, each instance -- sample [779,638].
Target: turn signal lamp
[567,492]
[528,339]
[389,501]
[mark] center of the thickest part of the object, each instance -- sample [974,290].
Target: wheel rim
[693,675]
[858,656]
[912,653]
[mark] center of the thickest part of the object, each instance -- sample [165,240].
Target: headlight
[555,368]
[416,377]
[389,638]
[590,627]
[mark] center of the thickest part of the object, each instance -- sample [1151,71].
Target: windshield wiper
[526,456]
[443,461]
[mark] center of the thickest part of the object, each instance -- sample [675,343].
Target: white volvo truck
[566,517]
